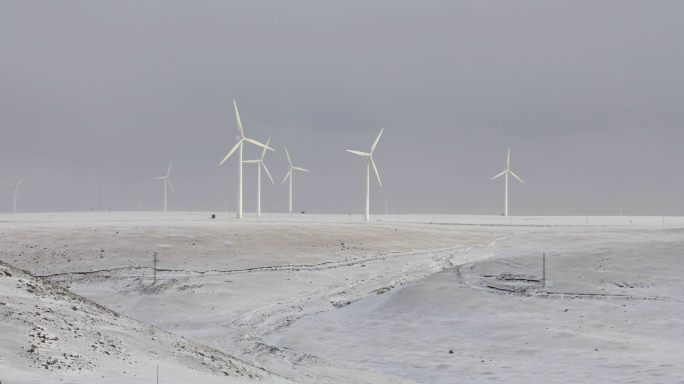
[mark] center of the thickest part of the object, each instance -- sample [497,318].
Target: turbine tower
[16,192]
[260,162]
[369,158]
[166,179]
[289,174]
[506,172]
[240,140]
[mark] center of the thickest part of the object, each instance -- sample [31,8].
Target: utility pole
[155,282]
[543,270]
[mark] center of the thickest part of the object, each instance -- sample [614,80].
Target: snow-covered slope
[72,339]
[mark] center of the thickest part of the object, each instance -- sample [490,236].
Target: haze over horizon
[588,95]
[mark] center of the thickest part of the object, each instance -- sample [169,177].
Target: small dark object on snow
[213,216]
[451,351]
[302,212]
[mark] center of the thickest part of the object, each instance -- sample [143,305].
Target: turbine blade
[11,185]
[268,173]
[17,192]
[171,185]
[301,169]
[508,161]
[498,175]
[20,181]
[286,176]
[376,141]
[376,170]
[169,171]
[242,135]
[231,152]
[516,177]
[251,161]
[288,156]
[162,177]
[358,153]
[259,144]
[263,153]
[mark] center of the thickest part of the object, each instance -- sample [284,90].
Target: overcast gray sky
[588,95]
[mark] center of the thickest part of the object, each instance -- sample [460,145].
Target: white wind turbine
[140,197]
[386,198]
[289,174]
[275,203]
[241,139]
[226,202]
[394,206]
[166,179]
[506,172]
[260,162]
[16,192]
[369,158]
[622,202]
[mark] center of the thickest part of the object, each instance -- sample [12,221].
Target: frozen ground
[612,314]
[275,293]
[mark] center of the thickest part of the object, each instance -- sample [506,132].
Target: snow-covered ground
[284,294]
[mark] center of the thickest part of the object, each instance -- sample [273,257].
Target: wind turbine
[386,198]
[289,174]
[241,139]
[226,202]
[166,179]
[506,172]
[260,162]
[275,203]
[621,202]
[369,158]
[16,192]
[140,197]
[394,206]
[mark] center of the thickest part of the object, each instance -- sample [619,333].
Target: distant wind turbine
[289,174]
[241,139]
[140,197]
[621,202]
[394,206]
[166,179]
[16,192]
[369,158]
[275,203]
[260,162]
[506,172]
[386,198]
[226,202]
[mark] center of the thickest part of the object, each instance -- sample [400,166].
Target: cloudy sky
[589,96]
